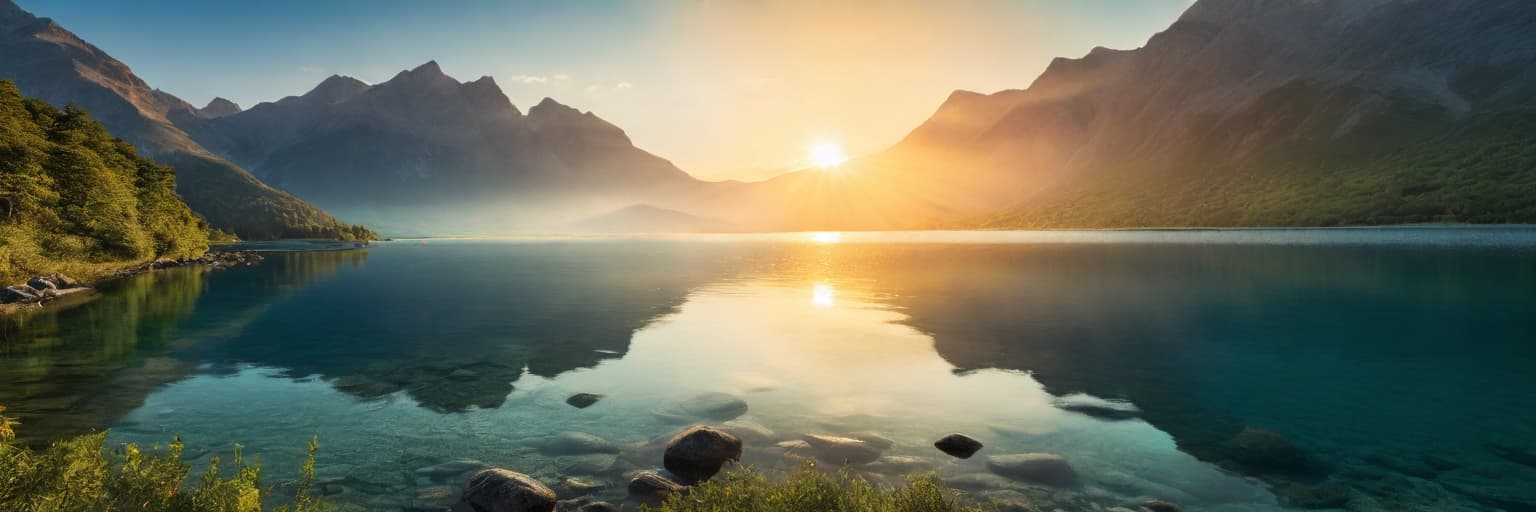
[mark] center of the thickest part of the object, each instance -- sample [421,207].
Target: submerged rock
[1160,506]
[574,443]
[451,469]
[1044,468]
[651,489]
[842,450]
[1267,451]
[500,490]
[698,452]
[958,445]
[899,465]
[1314,496]
[583,400]
[750,431]
[714,406]
[875,439]
[1092,406]
[575,487]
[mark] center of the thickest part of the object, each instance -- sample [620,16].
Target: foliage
[79,475]
[70,192]
[1403,165]
[810,490]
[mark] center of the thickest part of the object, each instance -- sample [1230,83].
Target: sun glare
[826,237]
[827,155]
[822,296]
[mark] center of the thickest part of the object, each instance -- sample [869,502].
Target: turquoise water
[1396,363]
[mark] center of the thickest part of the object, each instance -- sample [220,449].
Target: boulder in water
[958,445]
[500,490]
[1044,468]
[698,452]
[1267,451]
[583,400]
[714,406]
[20,293]
[875,439]
[42,283]
[574,443]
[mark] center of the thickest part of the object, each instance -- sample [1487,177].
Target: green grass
[80,474]
[810,490]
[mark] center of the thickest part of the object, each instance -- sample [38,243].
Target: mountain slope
[423,152]
[72,195]
[1253,112]
[49,62]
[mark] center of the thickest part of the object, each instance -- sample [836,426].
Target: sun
[827,154]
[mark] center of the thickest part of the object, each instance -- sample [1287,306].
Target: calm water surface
[1367,369]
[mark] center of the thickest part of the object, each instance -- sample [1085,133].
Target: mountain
[219,107]
[424,152]
[645,218]
[1253,112]
[74,197]
[47,61]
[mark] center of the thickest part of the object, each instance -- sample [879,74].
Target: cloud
[601,88]
[530,79]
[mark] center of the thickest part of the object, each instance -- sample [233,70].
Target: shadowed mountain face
[1243,112]
[51,63]
[424,152]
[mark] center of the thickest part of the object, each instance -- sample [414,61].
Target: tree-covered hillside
[72,196]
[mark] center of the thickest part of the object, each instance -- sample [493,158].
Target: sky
[724,89]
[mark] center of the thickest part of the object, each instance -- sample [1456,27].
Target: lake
[1224,370]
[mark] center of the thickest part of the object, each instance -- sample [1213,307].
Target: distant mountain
[424,152]
[1252,112]
[219,107]
[644,218]
[49,62]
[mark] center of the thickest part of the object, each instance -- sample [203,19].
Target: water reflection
[1322,345]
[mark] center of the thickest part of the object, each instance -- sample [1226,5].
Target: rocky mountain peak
[336,89]
[218,107]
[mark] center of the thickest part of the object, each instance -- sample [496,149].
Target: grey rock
[583,400]
[575,487]
[715,406]
[650,488]
[1044,468]
[698,452]
[575,443]
[875,439]
[842,450]
[958,445]
[500,490]
[1160,506]
[20,293]
[65,282]
[42,283]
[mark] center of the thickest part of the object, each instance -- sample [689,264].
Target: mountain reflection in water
[1365,359]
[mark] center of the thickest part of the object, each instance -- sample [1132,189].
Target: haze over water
[1372,350]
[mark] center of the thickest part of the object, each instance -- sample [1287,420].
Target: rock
[958,445]
[499,490]
[698,452]
[749,431]
[1160,506]
[574,443]
[20,293]
[583,400]
[1267,451]
[436,496]
[463,374]
[1099,408]
[651,489]
[64,282]
[1314,496]
[1044,468]
[589,464]
[874,439]
[451,469]
[41,284]
[842,450]
[599,506]
[164,263]
[899,465]
[977,482]
[575,487]
[714,406]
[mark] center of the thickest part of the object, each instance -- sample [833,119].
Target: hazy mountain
[49,62]
[644,218]
[426,153]
[1254,112]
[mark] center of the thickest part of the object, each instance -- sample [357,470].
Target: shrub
[80,475]
[810,490]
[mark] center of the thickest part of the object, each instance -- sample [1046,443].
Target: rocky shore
[47,289]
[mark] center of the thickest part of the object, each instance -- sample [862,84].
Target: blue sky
[724,89]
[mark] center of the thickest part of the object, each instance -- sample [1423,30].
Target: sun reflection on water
[826,237]
[823,296]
